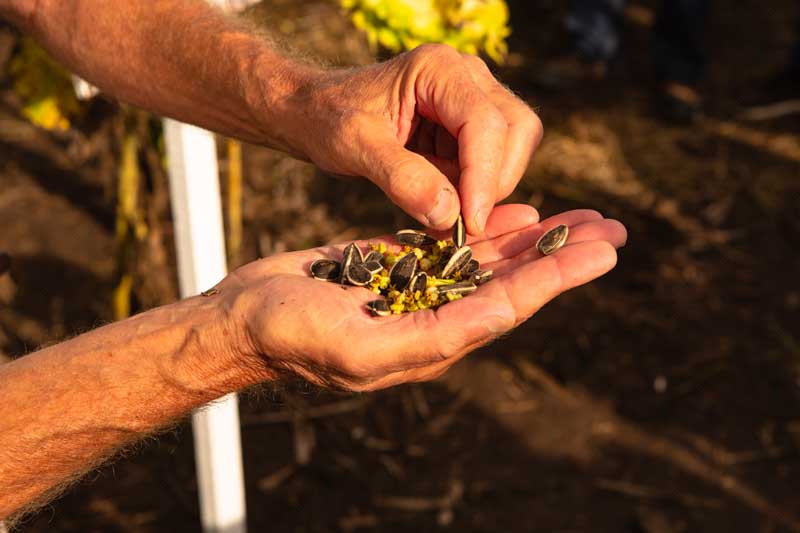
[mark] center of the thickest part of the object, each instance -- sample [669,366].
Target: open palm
[322,332]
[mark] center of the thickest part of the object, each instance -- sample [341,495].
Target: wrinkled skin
[321,331]
[432,128]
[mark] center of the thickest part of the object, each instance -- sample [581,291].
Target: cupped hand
[322,332]
[432,127]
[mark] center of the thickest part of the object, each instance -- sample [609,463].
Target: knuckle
[476,64]
[495,121]
[535,126]
[434,58]
[529,124]
[437,50]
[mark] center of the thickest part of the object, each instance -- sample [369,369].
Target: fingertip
[527,214]
[599,256]
[620,233]
[510,217]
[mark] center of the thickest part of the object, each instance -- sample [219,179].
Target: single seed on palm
[326,270]
[553,240]
[379,307]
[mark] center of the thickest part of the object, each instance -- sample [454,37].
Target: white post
[200,242]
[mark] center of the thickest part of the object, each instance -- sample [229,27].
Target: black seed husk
[479,277]
[326,270]
[458,261]
[462,287]
[553,240]
[379,307]
[412,237]
[459,233]
[373,266]
[419,282]
[470,267]
[359,275]
[402,271]
[351,256]
[374,255]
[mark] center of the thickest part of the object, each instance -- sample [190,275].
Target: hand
[321,331]
[419,126]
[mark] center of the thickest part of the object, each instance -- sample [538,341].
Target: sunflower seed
[359,275]
[459,232]
[402,271]
[419,282]
[326,270]
[374,255]
[470,267]
[412,237]
[351,256]
[479,277]
[458,261]
[446,253]
[462,287]
[373,266]
[554,239]
[379,307]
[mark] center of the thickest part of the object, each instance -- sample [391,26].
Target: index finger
[447,94]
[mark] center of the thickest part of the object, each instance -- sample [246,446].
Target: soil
[661,398]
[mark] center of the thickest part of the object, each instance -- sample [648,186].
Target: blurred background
[662,398]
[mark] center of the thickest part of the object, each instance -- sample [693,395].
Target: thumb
[412,182]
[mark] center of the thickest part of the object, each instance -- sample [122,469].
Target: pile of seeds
[424,274]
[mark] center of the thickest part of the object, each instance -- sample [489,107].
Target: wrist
[210,355]
[279,100]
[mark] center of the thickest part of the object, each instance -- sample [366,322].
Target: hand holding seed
[432,127]
[324,333]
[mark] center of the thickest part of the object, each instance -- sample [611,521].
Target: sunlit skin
[413,125]
[431,127]
[322,331]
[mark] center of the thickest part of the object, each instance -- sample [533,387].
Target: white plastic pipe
[200,242]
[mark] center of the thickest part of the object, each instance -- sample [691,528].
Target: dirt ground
[662,398]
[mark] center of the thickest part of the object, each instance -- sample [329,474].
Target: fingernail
[479,220]
[442,210]
[497,324]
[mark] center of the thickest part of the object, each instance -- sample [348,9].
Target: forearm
[69,406]
[179,58]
